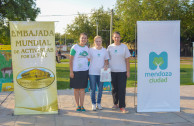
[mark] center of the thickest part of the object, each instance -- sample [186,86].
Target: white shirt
[97,58]
[80,61]
[118,54]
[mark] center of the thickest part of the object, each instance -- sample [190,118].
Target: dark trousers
[118,82]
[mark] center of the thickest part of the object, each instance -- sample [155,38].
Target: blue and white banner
[158,66]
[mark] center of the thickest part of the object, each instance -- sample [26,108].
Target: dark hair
[83,34]
[116,32]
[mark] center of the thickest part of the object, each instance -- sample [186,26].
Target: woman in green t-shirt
[79,70]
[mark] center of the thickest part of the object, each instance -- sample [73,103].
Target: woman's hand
[105,67]
[71,66]
[128,74]
[71,75]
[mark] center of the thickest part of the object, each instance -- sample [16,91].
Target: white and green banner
[193,62]
[158,66]
[34,68]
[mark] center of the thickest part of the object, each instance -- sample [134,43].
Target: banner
[193,62]
[7,87]
[6,74]
[34,68]
[158,66]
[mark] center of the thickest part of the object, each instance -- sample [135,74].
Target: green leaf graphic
[158,61]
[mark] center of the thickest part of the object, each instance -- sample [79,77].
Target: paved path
[106,117]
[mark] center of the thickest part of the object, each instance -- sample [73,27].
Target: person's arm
[127,67]
[71,58]
[106,61]
[105,64]
[71,66]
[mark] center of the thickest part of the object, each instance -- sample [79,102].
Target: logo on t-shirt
[115,51]
[98,54]
[83,54]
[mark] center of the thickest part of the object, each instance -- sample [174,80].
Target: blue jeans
[95,80]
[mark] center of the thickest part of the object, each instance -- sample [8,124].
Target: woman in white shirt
[98,59]
[120,67]
[79,70]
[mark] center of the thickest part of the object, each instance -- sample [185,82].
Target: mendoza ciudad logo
[158,65]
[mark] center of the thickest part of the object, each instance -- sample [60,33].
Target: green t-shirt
[80,61]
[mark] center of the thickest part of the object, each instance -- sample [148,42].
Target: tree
[67,39]
[127,13]
[130,11]
[15,10]
[187,19]
[80,24]
[58,38]
[101,18]
[84,23]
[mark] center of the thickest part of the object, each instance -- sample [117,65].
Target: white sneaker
[93,107]
[99,106]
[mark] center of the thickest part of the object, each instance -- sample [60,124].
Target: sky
[67,10]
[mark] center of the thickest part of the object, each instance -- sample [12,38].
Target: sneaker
[115,106]
[123,110]
[83,109]
[99,106]
[93,107]
[78,109]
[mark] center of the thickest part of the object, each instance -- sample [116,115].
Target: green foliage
[4,35]
[128,12]
[58,38]
[102,18]
[4,63]
[80,24]
[88,24]
[15,10]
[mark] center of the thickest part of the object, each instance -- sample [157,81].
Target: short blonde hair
[97,37]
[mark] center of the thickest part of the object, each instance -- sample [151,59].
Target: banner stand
[193,62]
[158,88]
[35,84]
[135,88]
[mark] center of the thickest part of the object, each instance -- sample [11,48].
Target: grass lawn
[62,76]
[186,72]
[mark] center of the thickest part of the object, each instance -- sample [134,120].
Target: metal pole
[65,39]
[60,40]
[111,24]
[96,28]
[135,67]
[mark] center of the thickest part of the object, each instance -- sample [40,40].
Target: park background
[124,13]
